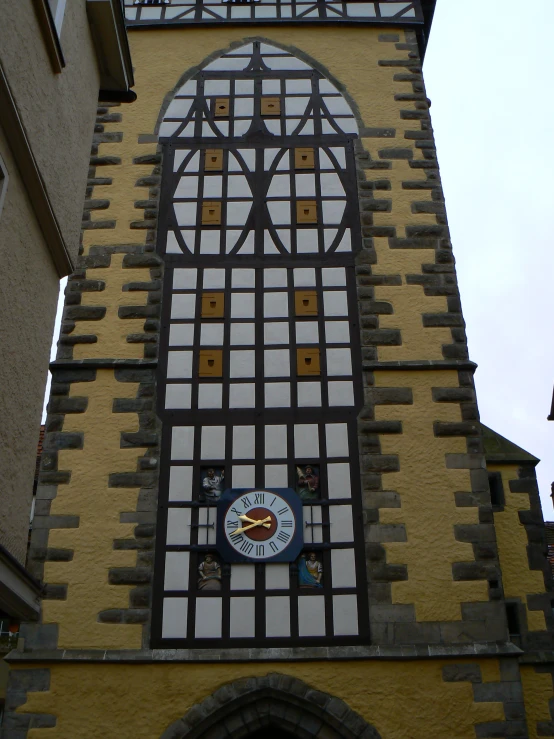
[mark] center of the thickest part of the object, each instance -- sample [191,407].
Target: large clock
[259,525]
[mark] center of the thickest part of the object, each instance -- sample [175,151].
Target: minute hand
[261,522]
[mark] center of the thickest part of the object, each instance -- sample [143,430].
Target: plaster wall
[57,110]
[407,700]
[519,580]
[28,299]
[537,690]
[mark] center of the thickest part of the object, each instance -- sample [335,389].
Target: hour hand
[245,518]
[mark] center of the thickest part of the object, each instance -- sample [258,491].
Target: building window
[57,8]
[3,183]
[497,490]
[259,388]
[512,617]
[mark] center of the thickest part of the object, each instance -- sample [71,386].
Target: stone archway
[244,707]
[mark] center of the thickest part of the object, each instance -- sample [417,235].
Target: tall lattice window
[260,371]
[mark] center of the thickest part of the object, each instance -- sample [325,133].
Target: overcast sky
[489,74]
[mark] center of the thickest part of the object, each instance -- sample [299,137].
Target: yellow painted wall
[428,509]
[537,692]
[518,580]
[98,506]
[351,55]
[407,700]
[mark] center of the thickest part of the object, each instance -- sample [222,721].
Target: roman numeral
[232,524]
[283,536]
[246,503]
[286,524]
[259,498]
[274,547]
[237,513]
[260,550]
[283,510]
[246,547]
[272,502]
[236,537]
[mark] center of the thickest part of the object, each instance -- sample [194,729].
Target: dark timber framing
[259,139]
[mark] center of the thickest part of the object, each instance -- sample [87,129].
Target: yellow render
[141,701]
[351,55]
[518,580]
[428,508]
[98,506]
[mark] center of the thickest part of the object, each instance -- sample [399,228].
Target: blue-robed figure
[310,571]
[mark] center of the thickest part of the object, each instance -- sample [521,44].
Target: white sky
[489,72]
[489,75]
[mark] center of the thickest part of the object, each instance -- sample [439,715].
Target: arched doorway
[271,732]
[273,706]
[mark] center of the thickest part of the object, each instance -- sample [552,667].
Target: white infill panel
[242,621]
[174,619]
[180,483]
[277,577]
[343,568]
[242,395]
[244,476]
[178,396]
[179,365]
[275,442]
[214,279]
[340,517]
[276,476]
[181,334]
[176,571]
[306,441]
[183,305]
[213,442]
[182,442]
[337,439]
[208,618]
[210,395]
[243,577]
[277,616]
[184,279]
[345,615]
[178,526]
[243,363]
[340,393]
[277,394]
[244,442]
[311,615]
[338,480]
[243,334]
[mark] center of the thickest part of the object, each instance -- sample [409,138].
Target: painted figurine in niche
[210,574]
[212,484]
[310,571]
[307,482]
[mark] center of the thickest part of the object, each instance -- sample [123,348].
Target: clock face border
[289,554]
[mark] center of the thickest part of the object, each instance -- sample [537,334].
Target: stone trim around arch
[240,708]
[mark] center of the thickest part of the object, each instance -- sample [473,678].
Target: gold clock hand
[261,522]
[245,518]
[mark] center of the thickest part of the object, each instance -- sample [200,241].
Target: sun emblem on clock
[260,525]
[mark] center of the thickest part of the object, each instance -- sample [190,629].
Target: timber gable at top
[417,14]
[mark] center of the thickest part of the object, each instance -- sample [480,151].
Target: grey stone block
[392,614]
[462,673]
[417,633]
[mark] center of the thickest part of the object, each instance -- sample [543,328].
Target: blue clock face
[259,525]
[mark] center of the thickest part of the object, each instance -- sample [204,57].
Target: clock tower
[267,503]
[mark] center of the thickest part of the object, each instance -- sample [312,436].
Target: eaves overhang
[107,24]
[19,591]
[415,14]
